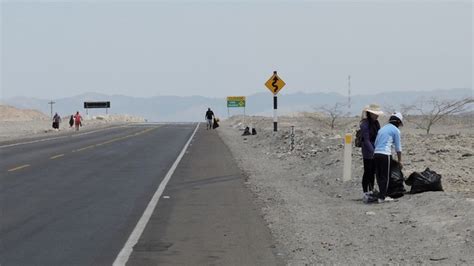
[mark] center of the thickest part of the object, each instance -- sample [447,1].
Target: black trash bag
[215,124]
[396,189]
[246,132]
[254,131]
[427,180]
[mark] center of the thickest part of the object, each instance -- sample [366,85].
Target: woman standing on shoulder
[369,126]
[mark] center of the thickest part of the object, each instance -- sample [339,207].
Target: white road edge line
[126,251]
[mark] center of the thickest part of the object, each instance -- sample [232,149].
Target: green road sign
[236,101]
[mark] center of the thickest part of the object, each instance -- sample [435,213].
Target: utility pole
[51,103]
[349,92]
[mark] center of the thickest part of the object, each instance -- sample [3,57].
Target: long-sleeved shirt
[368,140]
[388,136]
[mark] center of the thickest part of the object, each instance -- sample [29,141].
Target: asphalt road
[76,200]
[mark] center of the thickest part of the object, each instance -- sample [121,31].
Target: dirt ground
[318,219]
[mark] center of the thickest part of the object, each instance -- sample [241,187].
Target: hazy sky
[217,48]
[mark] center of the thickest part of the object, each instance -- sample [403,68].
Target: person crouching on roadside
[369,126]
[387,137]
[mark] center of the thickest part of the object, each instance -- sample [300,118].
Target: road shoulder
[206,215]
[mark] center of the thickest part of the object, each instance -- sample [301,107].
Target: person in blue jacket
[388,137]
[369,126]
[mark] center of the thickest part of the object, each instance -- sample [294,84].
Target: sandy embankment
[20,123]
[316,218]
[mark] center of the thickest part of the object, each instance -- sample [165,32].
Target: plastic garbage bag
[215,124]
[396,189]
[427,180]
[246,132]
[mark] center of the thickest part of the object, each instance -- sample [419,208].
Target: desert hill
[10,113]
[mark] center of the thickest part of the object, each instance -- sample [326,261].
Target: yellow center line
[114,140]
[56,156]
[85,148]
[18,168]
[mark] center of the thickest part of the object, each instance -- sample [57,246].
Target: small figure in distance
[56,121]
[209,117]
[71,121]
[246,132]
[77,120]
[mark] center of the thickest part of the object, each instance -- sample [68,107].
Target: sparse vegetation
[333,113]
[433,110]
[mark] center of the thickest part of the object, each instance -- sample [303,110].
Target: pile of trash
[425,181]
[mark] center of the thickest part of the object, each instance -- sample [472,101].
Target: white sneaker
[387,199]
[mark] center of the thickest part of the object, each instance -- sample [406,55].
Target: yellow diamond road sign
[275,84]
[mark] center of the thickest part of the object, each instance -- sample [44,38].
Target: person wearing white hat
[369,127]
[387,137]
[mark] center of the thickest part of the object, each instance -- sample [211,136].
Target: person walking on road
[387,137]
[56,121]
[209,117]
[77,120]
[369,127]
[71,121]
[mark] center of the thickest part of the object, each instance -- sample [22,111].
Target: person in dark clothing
[56,121]
[209,117]
[71,121]
[369,126]
[388,138]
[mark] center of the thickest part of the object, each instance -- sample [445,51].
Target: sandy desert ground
[20,123]
[318,219]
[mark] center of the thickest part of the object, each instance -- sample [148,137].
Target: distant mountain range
[192,108]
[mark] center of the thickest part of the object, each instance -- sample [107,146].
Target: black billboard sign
[88,105]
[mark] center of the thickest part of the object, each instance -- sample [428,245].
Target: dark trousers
[368,179]
[382,171]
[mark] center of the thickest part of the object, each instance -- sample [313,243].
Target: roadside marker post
[275,84]
[347,157]
[292,142]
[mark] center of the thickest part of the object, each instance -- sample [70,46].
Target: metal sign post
[236,101]
[275,84]
[275,115]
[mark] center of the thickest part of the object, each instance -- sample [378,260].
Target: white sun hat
[372,108]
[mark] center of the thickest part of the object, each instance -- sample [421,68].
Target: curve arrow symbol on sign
[275,80]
